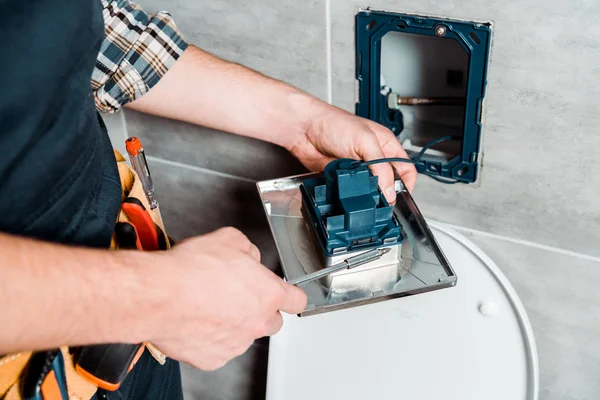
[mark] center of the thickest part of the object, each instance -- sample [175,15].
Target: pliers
[149,234]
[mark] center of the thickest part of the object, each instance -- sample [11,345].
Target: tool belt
[54,375]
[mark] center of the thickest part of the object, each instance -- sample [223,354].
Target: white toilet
[468,342]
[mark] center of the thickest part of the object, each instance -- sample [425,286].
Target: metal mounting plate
[418,266]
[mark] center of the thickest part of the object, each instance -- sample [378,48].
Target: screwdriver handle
[137,157]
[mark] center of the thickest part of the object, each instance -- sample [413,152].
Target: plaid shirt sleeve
[138,49]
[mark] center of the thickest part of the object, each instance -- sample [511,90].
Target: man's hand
[220,299]
[333,133]
[203,302]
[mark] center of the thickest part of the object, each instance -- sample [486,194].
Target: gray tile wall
[541,118]
[538,182]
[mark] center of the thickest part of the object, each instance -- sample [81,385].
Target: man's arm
[203,302]
[144,62]
[53,295]
[137,50]
[205,90]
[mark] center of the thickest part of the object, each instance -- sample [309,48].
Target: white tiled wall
[535,211]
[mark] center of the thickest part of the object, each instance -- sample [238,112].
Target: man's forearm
[53,295]
[205,90]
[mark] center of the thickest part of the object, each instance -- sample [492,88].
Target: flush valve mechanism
[346,211]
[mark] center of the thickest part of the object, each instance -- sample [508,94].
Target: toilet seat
[470,342]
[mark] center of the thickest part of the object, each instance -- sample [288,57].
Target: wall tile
[541,119]
[559,293]
[243,378]
[282,39]
[195,203]
[215,150]
[116,131]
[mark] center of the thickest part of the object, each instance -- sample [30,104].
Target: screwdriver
[140,166]
[349,263]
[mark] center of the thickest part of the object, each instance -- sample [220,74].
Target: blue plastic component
[347,211]
[474,38]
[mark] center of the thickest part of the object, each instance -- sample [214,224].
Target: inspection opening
[426,77]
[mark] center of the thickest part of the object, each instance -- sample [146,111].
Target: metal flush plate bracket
[417,265]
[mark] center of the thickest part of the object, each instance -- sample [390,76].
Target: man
[205,301]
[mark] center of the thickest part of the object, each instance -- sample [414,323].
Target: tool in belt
[77,373]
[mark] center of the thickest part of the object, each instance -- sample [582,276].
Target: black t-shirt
[58,177]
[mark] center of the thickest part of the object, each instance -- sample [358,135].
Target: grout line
[540,246]
[124,124]
[198,169]
[328,44]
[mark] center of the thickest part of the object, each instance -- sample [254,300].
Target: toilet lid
[470,342]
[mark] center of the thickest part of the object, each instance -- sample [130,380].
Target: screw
[440,30]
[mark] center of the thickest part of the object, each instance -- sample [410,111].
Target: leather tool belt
[53,375]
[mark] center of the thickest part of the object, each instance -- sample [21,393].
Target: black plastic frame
[474,38]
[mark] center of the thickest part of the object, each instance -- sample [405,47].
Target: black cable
[433,143]
[415,160]
[440,179]
[383,160]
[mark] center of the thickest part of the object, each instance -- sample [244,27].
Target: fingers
[407,172]
[254,252]
[392,148]
[368,148]
[237,240]
[294,301]
[320,164]
[275,324]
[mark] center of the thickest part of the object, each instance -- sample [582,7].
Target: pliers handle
[147,231]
